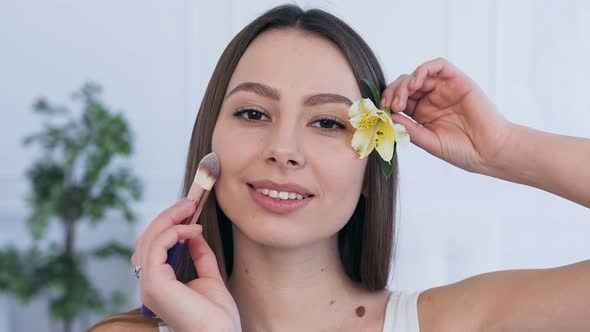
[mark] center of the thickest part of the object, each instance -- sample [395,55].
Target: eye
[329,123]
[250,114]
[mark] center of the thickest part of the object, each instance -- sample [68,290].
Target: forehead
[296,63]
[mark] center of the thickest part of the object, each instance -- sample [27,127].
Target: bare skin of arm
[123,327]
[540,300]
[561,163]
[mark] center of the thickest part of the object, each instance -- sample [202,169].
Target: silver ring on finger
[136,270]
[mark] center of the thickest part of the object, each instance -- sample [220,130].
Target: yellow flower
[375,130]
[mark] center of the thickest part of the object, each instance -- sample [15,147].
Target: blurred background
[153,60]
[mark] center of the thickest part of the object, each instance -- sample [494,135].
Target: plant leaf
[374,91]
[112,248]
[386,168]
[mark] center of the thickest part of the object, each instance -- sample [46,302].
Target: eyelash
[332,120]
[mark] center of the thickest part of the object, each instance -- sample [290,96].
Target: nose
[284,148]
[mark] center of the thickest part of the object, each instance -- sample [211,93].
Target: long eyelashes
[253,115]
[331,121]
[256,114]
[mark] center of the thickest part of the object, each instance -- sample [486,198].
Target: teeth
[279,194]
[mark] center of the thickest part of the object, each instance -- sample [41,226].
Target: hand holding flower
[455,120]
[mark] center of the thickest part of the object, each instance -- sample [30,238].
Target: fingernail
[396,100]
[383,102]
[412,81]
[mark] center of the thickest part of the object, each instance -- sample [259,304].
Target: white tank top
[401,313]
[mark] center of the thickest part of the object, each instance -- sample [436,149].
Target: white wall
[154,60]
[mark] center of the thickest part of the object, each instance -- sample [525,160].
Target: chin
[271,232]
[274,233]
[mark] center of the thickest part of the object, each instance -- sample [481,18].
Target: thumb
[419,135]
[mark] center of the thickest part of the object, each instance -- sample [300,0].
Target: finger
[204,258]
[401,95]
[417,95]
[419,135]
[157,253]
[414,99]
[425,86]
[174,215]
[439,67]
[135,259]
[410,107]
[388,94]
[388,98]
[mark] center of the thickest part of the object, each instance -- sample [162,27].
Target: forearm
[555,163]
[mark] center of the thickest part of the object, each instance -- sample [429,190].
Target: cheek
[237,151]
[336,162]
[341,174]
[234,147]
[345,181]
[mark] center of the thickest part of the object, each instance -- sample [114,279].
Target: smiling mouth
[280,195]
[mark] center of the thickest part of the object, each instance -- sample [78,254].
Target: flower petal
[365,121]
[384,139]
[363,114]
[354,109]
[402,137]
[362,142]
[362,106]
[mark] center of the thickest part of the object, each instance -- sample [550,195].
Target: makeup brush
[207,173]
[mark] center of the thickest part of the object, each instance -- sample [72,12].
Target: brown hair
[366,241]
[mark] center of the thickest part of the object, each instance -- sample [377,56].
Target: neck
[304,288]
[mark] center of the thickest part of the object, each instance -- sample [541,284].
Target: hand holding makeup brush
[203,304]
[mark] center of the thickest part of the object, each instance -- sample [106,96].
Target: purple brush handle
[174,255]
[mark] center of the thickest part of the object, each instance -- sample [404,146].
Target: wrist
[517,158]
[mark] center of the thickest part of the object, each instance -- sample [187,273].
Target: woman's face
[284,121]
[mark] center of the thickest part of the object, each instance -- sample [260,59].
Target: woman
[276,113]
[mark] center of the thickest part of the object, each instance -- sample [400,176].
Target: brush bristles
[208,171]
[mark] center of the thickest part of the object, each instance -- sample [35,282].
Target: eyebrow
[272,93]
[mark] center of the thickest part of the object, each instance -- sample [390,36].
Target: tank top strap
[401,312]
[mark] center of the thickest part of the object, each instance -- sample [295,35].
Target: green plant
[76,179]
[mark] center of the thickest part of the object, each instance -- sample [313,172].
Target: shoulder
[471,304]
[117,326]
[553,299]
[450,308]
[131,321]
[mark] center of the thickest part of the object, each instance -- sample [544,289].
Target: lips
[287,187]
[278,206]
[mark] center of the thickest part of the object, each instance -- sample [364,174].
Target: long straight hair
[365,243]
